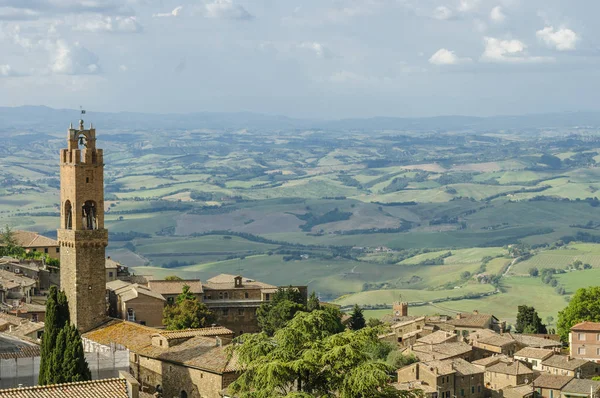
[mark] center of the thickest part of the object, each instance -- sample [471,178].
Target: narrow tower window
[68,215]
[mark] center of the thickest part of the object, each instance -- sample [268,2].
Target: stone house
[235,299]
[34,242]
[584,341]
[550,386]
[417,387]
[565,365]
[581,388]
[135,303]
[171,289]
[549,342]
[44,275]
[431,352]
[504,374]
[407,332]
[524,391]
[189,363]
[451,378]
[466,323]
[31,312]
[492,343]
[17,287]
[533,356]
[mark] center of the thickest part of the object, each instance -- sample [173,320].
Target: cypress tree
[52,327]
[74,366]
[63,359]
[357,319]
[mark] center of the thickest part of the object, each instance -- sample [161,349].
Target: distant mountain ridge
[45,119]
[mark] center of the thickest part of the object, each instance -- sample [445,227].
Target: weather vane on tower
[81,120]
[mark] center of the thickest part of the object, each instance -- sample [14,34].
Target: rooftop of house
[12,347]
[440,368]
[513,368]
[437,338]
[534,353]
[536,341]
[521,391]
[105,388]
[175,287]
[33,239]
[586,327]
[414,385]
[200,352]
[564,362]
[407,322]
[465,368]
[116,284]
[494,339]
[10,280]
[112,264]
[134,290]
[428,352]
[471,320]
[207,332]
[227,281]
[552,382]
[489,361]
[581,386]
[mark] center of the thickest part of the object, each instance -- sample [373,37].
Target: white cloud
[497,50]
[317,48]
[468,5]
[6,70]
[123,68]
[442,13]
[446,57]
[497,15]
[175,13]
[562,39]
[17,14]
[74,59]
[225,9]
[110,24]
[44,8]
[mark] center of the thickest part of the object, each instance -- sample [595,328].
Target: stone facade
[82,237]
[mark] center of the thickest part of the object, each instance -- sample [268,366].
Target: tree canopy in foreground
[313,356]
[584,306]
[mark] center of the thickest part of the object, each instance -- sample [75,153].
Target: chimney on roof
[218,341]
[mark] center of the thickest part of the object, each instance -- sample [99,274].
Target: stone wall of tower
[82,253]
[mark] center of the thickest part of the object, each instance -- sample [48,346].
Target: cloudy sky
[303,58]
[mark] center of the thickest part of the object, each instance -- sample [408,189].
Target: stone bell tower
[82,237]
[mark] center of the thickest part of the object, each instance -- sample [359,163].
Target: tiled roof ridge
[594,325]
[193,329]
[75,383]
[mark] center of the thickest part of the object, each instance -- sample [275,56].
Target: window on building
[170,300]
[598,336]
[225,311]
[34,317]
[478,388]
[245,294]
[462,392]
[143,323]
[183,394]
[46,250]
[581,336]
[268,296]
[551,393]
[581,350]
[472,389]
[34,249]
[597,351]
[110,274]
[58,249]
[220,295]
[225,295]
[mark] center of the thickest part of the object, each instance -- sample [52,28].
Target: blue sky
[302,58]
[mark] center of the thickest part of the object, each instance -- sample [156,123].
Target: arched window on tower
[89,214]
[68,215]
[81,145]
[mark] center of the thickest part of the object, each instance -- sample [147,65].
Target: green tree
[285,303]
[357,318]
[173,278]
[187,312]
[549,320]
[374,322]
[313,303]
[528,321]
[397,359]
[63,359]
[309,357]
[534,272]
[9,245]
[584,306]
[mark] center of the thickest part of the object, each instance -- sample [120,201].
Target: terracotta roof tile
[517,391]
[564,362]
[106,388]
[510,368]
[208,332]
[535,341]
[33,239]
[552,382]
[587,326]
[581,386]
[437,338]
[535,353]
[175,287]
[472,320]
